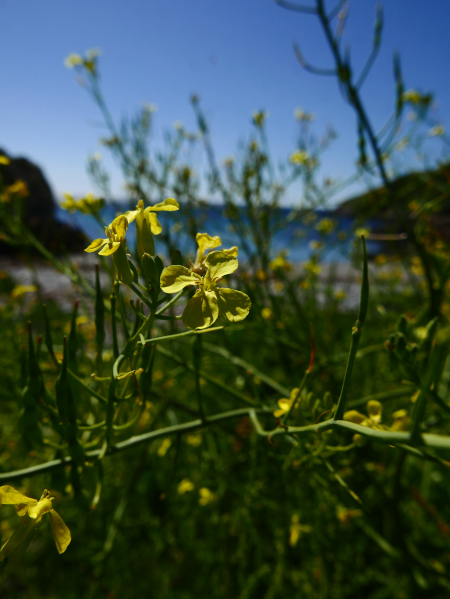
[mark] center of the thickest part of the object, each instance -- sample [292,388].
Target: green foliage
[233,460]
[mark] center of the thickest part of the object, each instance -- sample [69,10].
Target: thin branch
[336,10]
[367,67]
[131,442]
[309,10]
[310,68]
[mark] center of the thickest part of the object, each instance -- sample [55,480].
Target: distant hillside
[419,186]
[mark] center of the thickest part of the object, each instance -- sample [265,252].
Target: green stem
[140,296]
[246,366]
[178,335]
[196,359]
[86,387]
[189,366]
[170,303]
[129,443]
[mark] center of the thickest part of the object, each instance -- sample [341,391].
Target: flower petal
[284,405]
[155,225]
[354,416]
[175,278]
[9,496]
[130,215]
[233,304]
[110,249]
[96,245]
[119,226]
[168,205]
[375,410]
[206,242]
[232,251]
[220,264]
[201,311]
[61,533]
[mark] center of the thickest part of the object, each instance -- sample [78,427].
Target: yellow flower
[312,267]
[362,231]
[326,226]
[206,242]
[381,259]
[116,244]
[147,223]
[301,115]
[89,61]
[316,245]
[22,289]
[259,117]
[340,295]
[344,514]
[296,529]
[32,511]
[4,160]
[19,188]
[185,486]
[267,313]
[401,422]
[194,440]
[438,130]
[375,410]
[164,447]
[412,96]
[280,263]
[73,60]
[87,205]
[115,236]
[285,404]
[228,162]
[299,157]
[209,302]
[206,496]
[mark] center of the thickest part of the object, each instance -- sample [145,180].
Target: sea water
[294,238]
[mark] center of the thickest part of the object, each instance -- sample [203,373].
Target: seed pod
[31,396]
[48,334]
[72,341]
[67,410]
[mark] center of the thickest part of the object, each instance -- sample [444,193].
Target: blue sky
[236,54]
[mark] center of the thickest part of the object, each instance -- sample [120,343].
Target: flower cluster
[401,420]
[209,301]
[87,205]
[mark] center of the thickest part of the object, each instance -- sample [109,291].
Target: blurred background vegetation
[220,510]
